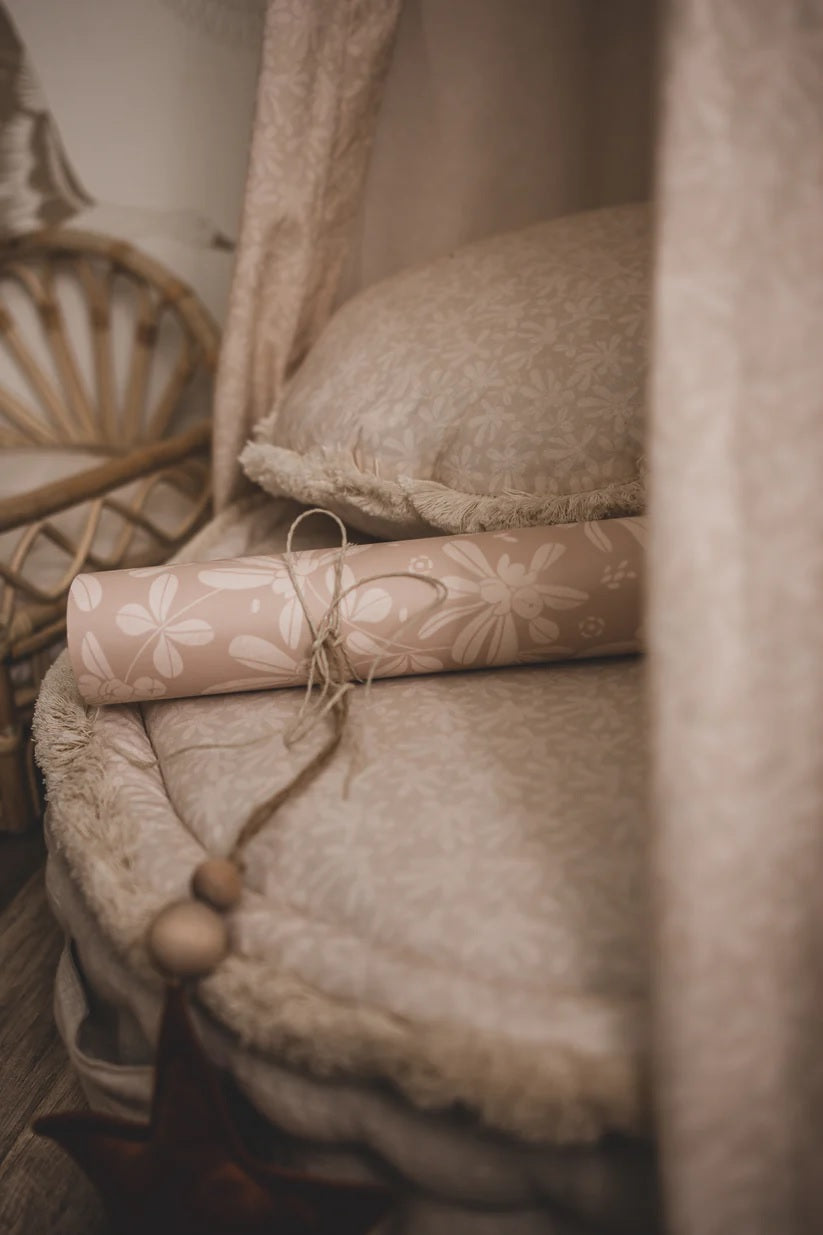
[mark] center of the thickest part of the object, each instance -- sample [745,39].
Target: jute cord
[330,680]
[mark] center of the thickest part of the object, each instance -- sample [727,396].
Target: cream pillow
[497,387]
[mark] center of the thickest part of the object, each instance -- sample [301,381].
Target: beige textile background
[737,617]
[323,66]
[495,114]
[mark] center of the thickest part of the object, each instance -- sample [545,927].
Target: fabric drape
[736,621]
[323,66]
[737,617]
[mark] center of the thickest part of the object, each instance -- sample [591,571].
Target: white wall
[153,100]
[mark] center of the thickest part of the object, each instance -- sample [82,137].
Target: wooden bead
[188,939]
[218,882]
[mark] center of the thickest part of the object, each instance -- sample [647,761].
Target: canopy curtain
[495,114]
[736,590]
[322,71]
[737,617]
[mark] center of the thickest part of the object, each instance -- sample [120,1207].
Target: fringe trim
[406,507]
[549,1092]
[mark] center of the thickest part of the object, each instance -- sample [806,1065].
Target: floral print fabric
[443,603]
[322,68]
[454,910]
[513,369]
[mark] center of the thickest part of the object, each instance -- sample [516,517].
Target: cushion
[439,955]
[456,1178]
[497,387]
[479,834]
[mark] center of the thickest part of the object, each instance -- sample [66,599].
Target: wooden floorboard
[21,853]
[40,1188]
[41,1191]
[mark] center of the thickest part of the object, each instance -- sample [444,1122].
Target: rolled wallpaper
[503,598]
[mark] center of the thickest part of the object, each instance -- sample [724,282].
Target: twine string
[330,678]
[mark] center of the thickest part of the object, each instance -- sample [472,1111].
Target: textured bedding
[439,953]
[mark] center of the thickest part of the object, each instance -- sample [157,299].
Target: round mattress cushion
[452,914]
[457,1178]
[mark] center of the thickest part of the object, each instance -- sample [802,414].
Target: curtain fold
[322,71]
[736,595]
[736,619]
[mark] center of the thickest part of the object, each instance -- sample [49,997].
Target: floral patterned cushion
[500,386]
[440,951]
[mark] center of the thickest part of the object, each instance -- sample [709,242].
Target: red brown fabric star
[187,1170]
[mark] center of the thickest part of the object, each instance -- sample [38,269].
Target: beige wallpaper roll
[511,597]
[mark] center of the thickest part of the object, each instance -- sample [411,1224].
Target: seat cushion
[500,386]
[451,917]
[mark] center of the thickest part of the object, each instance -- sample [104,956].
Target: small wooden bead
[188,939]
[218,882]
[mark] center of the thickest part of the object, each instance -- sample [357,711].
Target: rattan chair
[106,359]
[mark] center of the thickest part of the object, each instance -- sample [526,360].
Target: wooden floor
[41,1191]
[21,854]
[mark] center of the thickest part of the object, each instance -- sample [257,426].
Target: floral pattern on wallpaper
[411,607]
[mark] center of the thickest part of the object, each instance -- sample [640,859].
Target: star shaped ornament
[187,1170]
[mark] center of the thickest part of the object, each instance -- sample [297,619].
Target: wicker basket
[106,348]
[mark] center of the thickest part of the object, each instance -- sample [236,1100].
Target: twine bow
[331,676]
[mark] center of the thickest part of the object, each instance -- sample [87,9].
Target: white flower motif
[421,565]
[491,598]
[389,661]
[506,463]
[271,572]
[264,657]
[159,625]
[597,358]
[148,688]
[597,535]
[613,576]
[616,405]
[590,627]
[117,691]
[93,656]
[86,592]
[402,447]
[100,683]
[371,604]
